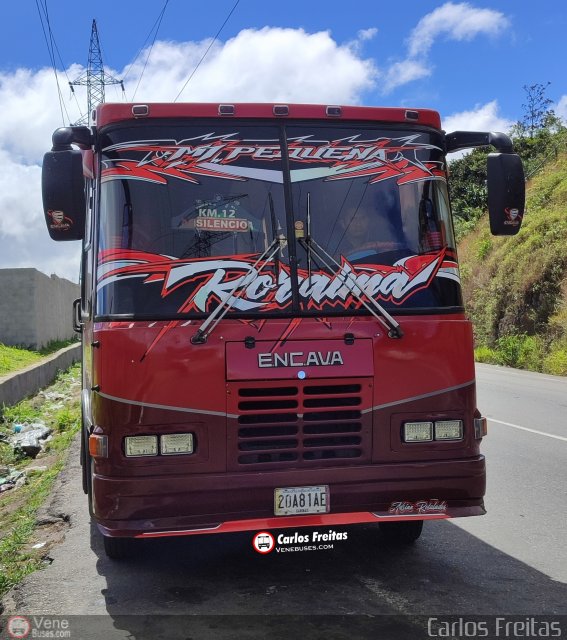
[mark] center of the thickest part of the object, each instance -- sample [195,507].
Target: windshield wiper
[375,308]
[278,244]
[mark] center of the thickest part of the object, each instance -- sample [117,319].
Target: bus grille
[308,424]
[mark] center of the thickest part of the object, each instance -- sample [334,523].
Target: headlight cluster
[430,431]
[169,445]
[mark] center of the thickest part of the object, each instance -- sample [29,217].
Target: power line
[207,51]
[51,55]
[54,43]
[160,18]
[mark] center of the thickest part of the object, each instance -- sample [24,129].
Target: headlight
[449,430]
[140,446]
[176,443]
[418,431]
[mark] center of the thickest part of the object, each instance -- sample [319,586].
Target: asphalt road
[512,561]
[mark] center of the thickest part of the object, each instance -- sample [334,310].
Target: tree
[467,186]
[537,112]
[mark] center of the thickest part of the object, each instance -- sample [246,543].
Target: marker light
[334,111]
[140,446]
[418,431]
[98,446]
[176,443]
[140,110]
[226,109]
[449,430]
[480,428]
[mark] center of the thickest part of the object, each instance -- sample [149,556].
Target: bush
[520,351]
[556,362]
[509,349]
[486,355]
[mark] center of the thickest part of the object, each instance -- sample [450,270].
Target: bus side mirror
[506,193]
[63,189]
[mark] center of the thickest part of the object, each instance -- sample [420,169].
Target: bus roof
[108,113]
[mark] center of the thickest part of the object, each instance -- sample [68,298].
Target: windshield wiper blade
[276,231]
[229,300]
[375,308]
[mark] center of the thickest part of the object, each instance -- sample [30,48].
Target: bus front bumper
[222,503]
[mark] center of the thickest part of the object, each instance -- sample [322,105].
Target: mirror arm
[466,139]
[63,137]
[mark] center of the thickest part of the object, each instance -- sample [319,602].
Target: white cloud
[457,22]
[561,108]
[481,118]
[30,111]
[401,73]
[364,35]
[270,64]
[367,34]
[454,21]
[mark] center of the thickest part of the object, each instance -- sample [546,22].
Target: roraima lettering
[300,359]
[246,288]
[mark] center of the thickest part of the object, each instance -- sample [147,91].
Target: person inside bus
[367,232]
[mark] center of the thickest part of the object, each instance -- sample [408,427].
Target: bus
[271,313]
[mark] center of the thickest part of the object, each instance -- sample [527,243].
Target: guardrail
[27,382]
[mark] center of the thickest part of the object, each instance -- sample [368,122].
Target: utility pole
[94,78]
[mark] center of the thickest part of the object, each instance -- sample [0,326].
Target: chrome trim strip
[150,534]
[151,405]
[421,397]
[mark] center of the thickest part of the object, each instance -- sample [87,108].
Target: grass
[18,507]
[515,288]
[16,358]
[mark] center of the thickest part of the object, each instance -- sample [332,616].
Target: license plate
[299,500]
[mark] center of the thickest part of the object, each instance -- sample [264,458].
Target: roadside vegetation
[58,407]
[515,288]
[16,358]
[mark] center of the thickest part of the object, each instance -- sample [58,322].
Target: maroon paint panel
[315,358]
[155,362]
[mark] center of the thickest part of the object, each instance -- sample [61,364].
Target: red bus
[271,312]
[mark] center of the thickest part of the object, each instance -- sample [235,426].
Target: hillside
[516,288]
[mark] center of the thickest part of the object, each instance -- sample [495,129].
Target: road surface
[512,561]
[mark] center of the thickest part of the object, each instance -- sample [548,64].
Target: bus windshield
[186,211]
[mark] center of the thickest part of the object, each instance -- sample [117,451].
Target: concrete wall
[27,382]
[34,308]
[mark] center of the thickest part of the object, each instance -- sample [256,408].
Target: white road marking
[540,433]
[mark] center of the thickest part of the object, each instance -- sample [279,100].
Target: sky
[468,60]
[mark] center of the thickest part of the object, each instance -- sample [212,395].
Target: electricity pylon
[94,78]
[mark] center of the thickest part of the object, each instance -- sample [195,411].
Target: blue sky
[464,73]
[468,60]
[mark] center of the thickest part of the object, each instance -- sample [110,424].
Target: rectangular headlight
[140,446]
[175,443]
[418,431]
[449,430]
